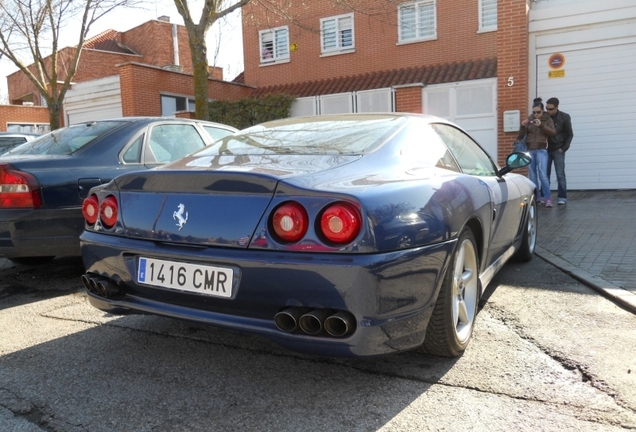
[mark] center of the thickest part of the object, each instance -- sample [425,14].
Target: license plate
[201,279]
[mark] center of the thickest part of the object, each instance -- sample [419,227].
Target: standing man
[558,145]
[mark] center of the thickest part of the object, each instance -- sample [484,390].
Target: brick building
[144,71]
[478,63]
[103,53]
[445,57]
[24,118]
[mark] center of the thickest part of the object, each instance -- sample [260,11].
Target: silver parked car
[10,140]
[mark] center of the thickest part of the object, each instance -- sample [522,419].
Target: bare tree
[212,11]
[30,29]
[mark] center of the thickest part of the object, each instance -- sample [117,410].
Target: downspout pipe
[175,44]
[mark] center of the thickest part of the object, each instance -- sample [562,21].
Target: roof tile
[108,41]
[426,75]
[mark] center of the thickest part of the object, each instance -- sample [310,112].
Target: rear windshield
[66,140]
[317,136]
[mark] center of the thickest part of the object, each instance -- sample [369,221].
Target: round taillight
[290,222]
[340,223]
[108,211]
[90,209]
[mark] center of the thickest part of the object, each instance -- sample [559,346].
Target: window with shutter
[487,15]
[274,45]
[417,21]
[336,33]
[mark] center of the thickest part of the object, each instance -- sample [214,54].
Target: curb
[622,297]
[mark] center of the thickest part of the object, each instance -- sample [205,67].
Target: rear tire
[451,325]
[31,260]
[529,239]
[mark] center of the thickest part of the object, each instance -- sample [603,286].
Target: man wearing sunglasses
[536,129]
[558,145]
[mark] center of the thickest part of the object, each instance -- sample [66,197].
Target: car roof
[354,116]
[19,134]
[150,119]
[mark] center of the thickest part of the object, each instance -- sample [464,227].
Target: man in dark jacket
[558,145]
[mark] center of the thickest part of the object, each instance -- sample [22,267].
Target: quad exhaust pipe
[339,324]
[287,320]
[315,321]
[101,286]
[312,322]
[307,320]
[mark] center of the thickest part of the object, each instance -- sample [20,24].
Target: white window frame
[277,53]
[341,25]
[486,12]
[418,31]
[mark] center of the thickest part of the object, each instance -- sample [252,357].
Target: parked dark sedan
[349,235]
[43,182]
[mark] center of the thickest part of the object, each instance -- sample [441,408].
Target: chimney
[164,18]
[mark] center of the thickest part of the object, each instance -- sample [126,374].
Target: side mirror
[514,161]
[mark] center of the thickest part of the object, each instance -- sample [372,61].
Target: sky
[226,31]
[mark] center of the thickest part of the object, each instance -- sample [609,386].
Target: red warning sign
[556,61]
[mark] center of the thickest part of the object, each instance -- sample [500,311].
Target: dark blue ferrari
[347,235]
[44,182]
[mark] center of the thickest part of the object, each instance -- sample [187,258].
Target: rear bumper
[40,232]
[391,295]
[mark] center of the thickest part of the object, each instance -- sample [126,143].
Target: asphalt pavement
[593,239]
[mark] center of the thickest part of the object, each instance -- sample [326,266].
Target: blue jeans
[559,167]
[539,168]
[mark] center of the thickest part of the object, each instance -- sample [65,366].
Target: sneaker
[541,202]
[561,201]
[548,202]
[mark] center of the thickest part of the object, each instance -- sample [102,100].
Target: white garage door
[598,90]
[471,105]
[94,112]
[93,100]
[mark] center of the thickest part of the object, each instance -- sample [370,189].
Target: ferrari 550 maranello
[347,235]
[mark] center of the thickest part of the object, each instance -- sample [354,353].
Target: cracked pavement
[548,354]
